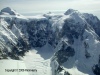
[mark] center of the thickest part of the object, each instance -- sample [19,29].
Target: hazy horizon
[44,6]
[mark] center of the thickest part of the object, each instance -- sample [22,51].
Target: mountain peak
[9,11]
[69,11]
[6,8]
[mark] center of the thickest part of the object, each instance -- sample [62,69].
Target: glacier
[54,44]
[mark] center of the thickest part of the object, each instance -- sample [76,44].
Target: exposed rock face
[74,36]
[64,53]
[96,68]
[39,32]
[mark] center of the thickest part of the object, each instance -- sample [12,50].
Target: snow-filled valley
[51,44]
[39,59]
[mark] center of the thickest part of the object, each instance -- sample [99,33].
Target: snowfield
[39,59]
[36,59]
[12,64]
[50,44]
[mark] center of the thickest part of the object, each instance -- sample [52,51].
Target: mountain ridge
[74,36]
[9,11]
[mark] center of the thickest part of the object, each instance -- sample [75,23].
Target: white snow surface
[79,64]
[12,64]
[39,59]
[8,11]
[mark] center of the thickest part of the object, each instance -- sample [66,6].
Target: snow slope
[39,59]
[8,11]
[53,44]
[12,64]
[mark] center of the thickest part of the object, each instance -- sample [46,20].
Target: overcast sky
[35,6]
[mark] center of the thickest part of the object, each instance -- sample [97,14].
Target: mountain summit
[71,42]
[70,11]
[8,11]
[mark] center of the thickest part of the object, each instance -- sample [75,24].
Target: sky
[43,6]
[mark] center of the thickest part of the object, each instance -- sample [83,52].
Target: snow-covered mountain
[72,41]
[8,11]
